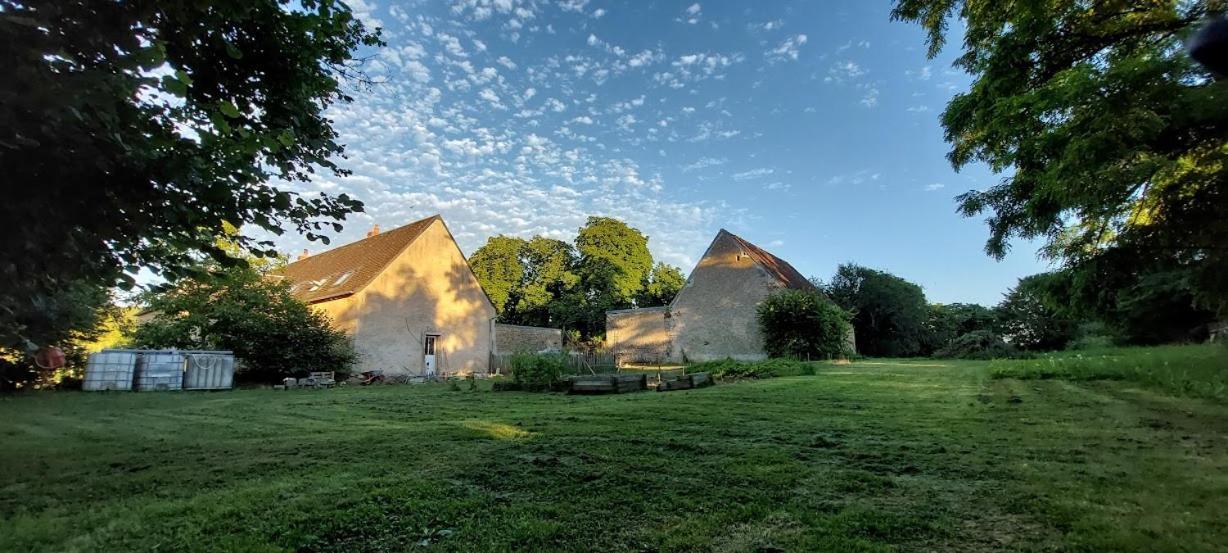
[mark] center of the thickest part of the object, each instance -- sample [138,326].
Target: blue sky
[809,128]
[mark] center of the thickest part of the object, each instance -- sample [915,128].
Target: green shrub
[803,325]
[978,344]
[730,369]
[538,371]
[1194,370]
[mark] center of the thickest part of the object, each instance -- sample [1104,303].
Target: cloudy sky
[809,128]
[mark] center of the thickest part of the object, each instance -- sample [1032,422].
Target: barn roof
[778,268]
[344,270]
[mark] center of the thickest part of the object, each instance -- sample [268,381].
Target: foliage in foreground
[1109,136]
[134,130]
[803,325]
[1193,370]
[71,320]
[272,333]
[731,369]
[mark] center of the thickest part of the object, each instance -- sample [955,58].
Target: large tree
[549,282]
[238,308]
[1031,315]
[1109,136]
[500,269]
[661,286]
[623,247]
[889,313]
[947,322]
[131,131]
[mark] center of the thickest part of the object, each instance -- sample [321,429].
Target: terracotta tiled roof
[775,266]
[345,270]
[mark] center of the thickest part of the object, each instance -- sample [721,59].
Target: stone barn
[410,302]
[713,316]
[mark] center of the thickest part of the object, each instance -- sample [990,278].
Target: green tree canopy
[130,131]
[1110,137]
[661,287]
[623,247]
[803,325]
[946,322]
[1031,315]
[238,308]
[889,313]
[549,282]
[500,269]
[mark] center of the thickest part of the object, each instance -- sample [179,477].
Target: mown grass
[872,456]
[1193,371]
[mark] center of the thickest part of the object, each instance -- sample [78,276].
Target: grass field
[873,456]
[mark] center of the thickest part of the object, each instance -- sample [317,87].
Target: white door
[428,354]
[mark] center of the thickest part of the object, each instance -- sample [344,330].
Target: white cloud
[753,174]
[787,50]
[869,97]
[934,187]
[766,25]
[919,109]
[858,177]
[691,15]
[491,97]
[703,163]
[598,13]
[843,71]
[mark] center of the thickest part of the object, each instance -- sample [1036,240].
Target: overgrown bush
[978,344]
[803,325]
[730,369]
[538,371]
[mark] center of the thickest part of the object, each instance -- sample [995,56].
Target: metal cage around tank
[110,370]
[147,370]
[209,370]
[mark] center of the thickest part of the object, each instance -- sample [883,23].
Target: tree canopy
[1031,317]
[549,282]
[131,131]
[889,313]
[803,325]
[624,248]
[1109,136]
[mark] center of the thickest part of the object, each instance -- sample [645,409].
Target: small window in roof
[316,284]
[344,277]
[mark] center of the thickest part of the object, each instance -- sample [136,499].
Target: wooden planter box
[609,384]
[686,382]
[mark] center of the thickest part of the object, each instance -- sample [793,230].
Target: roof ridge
[780,269]
[348,261]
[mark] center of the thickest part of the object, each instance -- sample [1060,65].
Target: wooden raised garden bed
[685,382]
[609,383]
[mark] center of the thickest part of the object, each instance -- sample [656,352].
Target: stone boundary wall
[638,335]
[526,339]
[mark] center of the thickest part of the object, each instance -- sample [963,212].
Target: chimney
[303,255]
[374,231]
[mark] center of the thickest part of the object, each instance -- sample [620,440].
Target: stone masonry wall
[527,339]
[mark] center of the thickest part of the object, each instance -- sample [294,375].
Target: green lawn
[874,456]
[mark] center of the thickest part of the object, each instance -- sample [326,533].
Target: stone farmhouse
[410,302]
[714,314]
